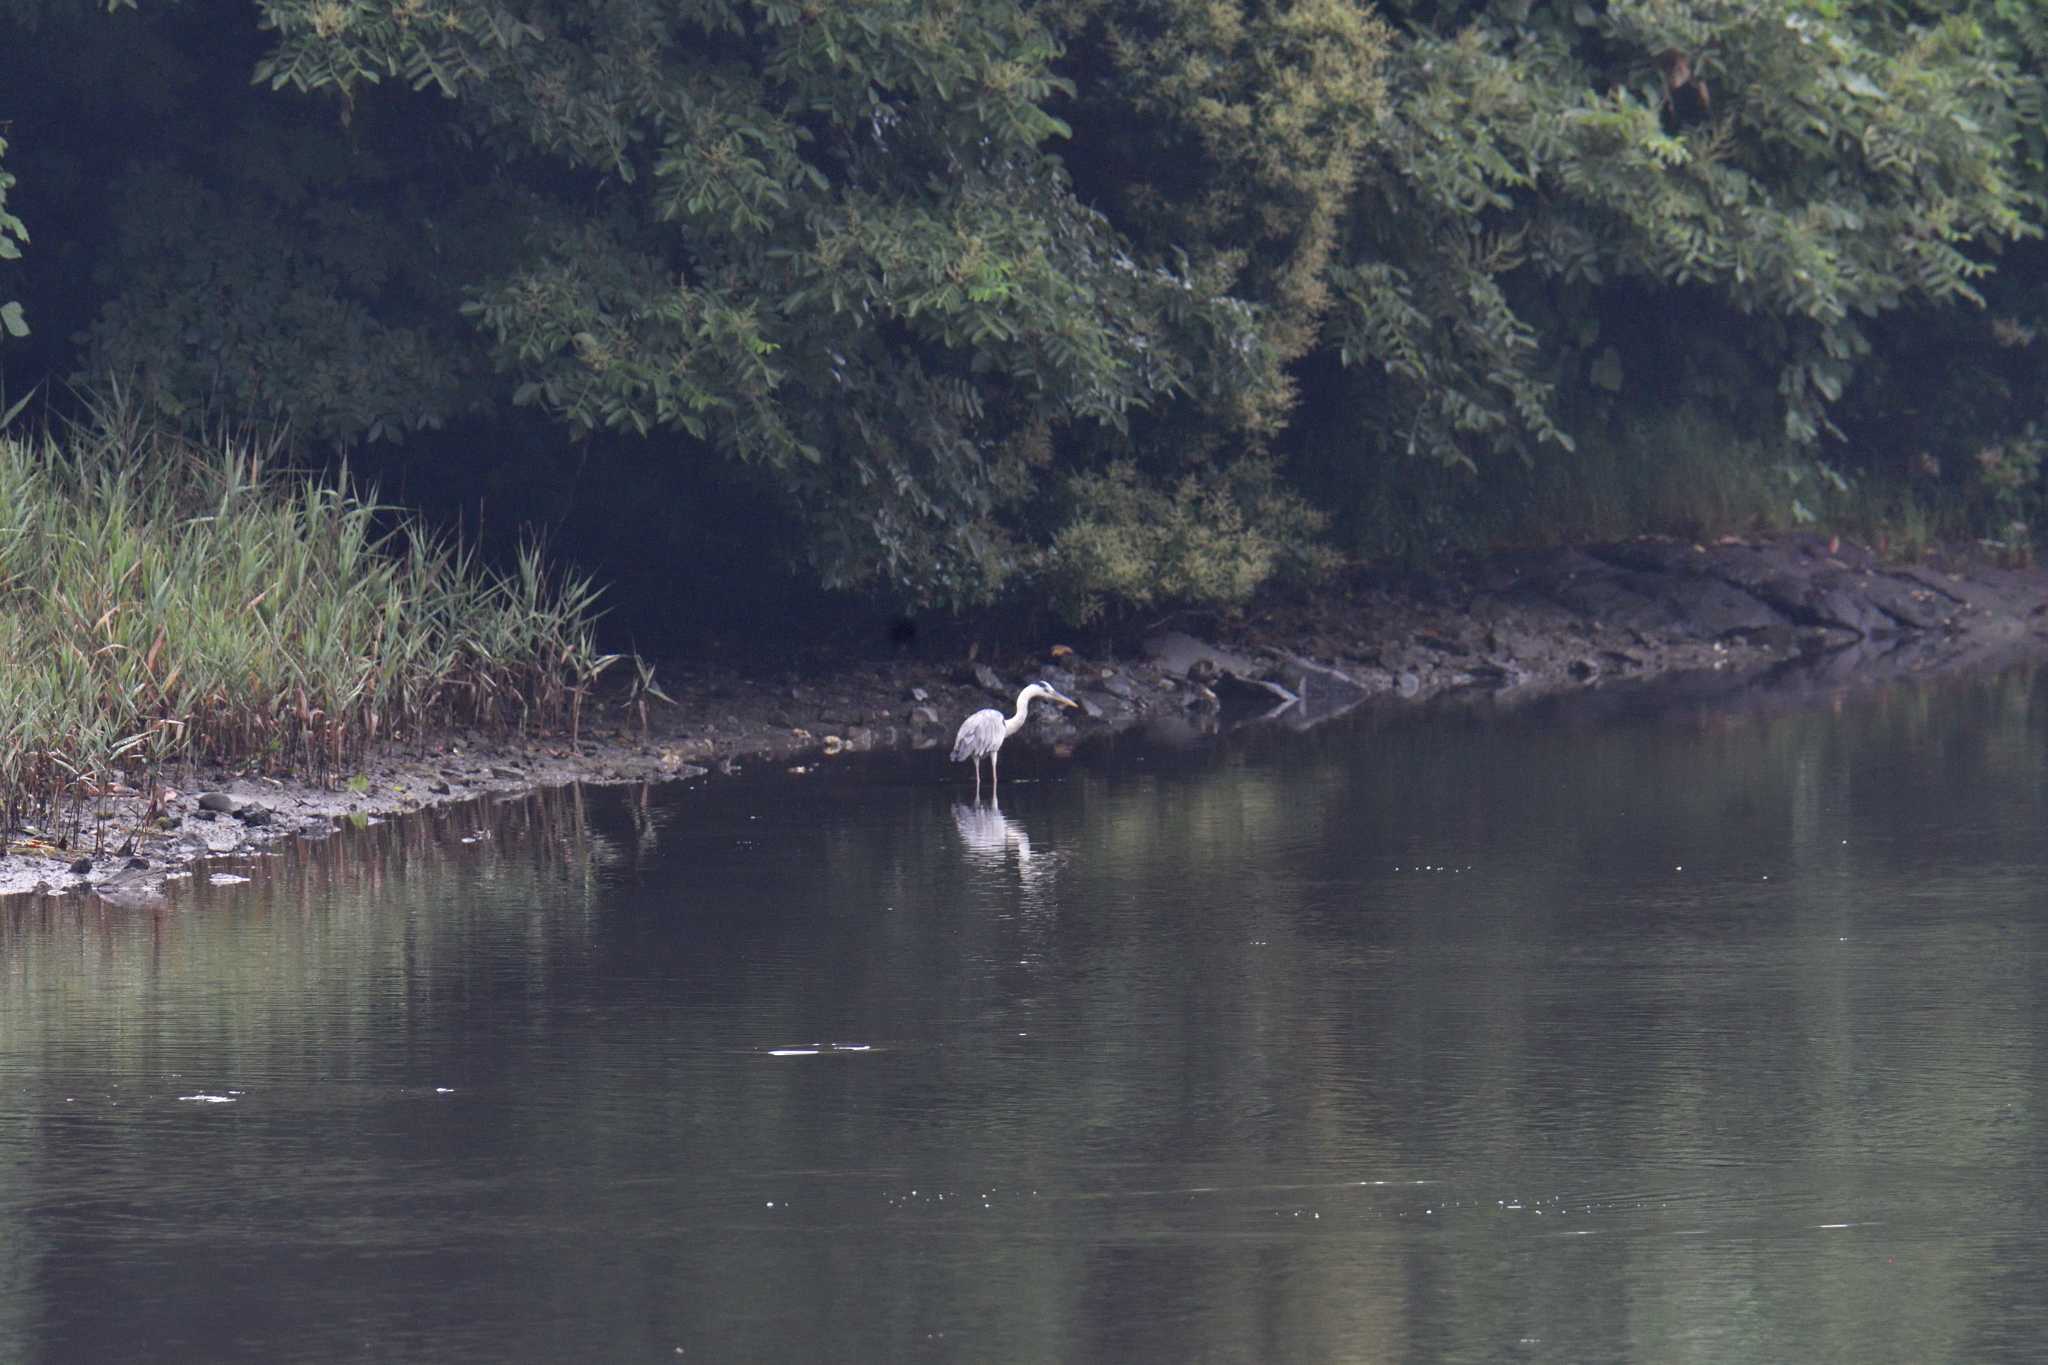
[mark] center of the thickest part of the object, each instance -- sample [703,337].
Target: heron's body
[982,733]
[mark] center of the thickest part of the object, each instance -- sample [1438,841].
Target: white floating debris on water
[794,1051]
[204,1098]
[226,878]
[444,1090]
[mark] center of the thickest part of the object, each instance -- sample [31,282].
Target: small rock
[986,679]
[253,816]
[1407,684]
[1119,686]
[219,802]
[919,694]
[82,867]
[438,788]
[509,774]
[136,864]
[923,715]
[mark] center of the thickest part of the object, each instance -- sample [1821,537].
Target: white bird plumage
[984,732]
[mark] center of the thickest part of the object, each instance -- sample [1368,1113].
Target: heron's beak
[1063,701]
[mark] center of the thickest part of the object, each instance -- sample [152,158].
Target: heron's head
[1051,694]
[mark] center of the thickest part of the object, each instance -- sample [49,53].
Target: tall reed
[166,601]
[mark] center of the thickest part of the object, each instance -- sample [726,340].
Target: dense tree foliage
[1125,300]
[12,234]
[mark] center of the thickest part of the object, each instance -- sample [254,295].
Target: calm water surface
[1688,1036]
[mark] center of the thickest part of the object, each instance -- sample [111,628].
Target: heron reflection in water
[982,733]
[1000,852]
[989,834]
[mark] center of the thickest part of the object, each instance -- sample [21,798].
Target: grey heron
[984,731]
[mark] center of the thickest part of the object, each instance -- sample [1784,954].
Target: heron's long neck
[1016,722]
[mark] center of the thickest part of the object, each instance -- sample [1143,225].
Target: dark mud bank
[1748,620]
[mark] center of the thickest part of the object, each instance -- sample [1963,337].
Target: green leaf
[12,320]
[1606,371]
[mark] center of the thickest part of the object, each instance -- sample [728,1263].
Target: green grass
[165,602]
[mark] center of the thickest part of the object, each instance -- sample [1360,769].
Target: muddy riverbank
[1783,616]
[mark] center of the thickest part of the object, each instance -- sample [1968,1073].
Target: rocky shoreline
[1816,611]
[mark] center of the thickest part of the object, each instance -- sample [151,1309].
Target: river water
[1638,1033]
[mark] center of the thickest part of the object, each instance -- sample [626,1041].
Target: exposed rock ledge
[1789,613]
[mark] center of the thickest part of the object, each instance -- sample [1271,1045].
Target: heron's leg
[992,754]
